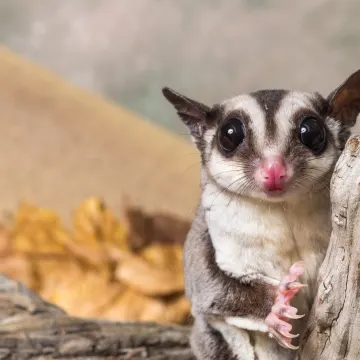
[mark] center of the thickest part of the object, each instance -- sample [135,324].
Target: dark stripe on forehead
[246,152]
[269,101]
[321,105]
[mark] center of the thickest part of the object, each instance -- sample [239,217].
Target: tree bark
[333,331]
[31,328]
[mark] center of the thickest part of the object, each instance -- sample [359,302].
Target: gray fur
[213,295]
[211,291]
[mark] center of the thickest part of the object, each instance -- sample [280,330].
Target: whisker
[322,182]
[223,190]
[189,167]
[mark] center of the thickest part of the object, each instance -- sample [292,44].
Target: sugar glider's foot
[281,311]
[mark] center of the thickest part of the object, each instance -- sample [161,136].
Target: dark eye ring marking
[312,134]
[231,135]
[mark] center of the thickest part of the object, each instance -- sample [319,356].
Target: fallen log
[31,328]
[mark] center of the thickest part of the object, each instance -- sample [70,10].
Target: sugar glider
[263,218]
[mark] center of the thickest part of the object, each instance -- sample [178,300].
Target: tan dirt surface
[60,145]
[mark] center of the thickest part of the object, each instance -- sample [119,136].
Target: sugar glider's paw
[282,311]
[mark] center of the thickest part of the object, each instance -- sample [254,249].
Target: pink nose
[273,173]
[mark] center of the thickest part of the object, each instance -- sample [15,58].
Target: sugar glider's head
[271,144]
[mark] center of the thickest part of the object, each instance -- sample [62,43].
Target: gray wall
[127,50]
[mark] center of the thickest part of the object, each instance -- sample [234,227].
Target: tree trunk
[333,331]
[33,329]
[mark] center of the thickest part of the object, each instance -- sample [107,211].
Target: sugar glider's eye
[313,134]
[231,134]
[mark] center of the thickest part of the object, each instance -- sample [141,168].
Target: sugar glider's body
[267,160]
[269,252]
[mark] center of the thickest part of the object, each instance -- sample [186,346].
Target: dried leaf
[156,271]
[167,257]
[133,306]
[127,270]
[176,311]
[81,292]
[95,227]
[19,267]
[148,229]
[37,230]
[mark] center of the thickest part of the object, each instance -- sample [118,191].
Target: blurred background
[99,181]
[128,50]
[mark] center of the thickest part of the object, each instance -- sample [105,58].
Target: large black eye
[231,134]
[313,134]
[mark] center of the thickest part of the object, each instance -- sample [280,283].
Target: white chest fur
[252,237]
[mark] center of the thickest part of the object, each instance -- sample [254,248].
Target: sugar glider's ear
[195,116]
[344,102]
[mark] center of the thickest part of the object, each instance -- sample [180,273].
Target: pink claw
[286,311]
[296,285]
[282,310]
[284,342]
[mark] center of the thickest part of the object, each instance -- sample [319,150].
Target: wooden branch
[333,331]
[31,328]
